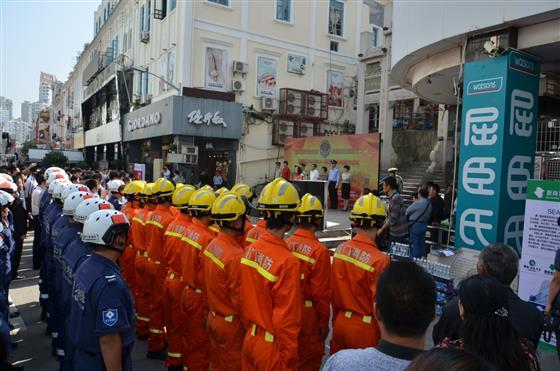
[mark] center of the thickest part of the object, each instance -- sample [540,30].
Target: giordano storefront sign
[178,115]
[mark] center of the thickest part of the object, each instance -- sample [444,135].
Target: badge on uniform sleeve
[110,317]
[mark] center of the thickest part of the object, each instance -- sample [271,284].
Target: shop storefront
[189,134]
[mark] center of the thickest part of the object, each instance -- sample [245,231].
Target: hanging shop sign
[144,121]
[500,111]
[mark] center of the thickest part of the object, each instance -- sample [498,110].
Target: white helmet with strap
[86,207]
[74,188]
[58,189]
[102,226]
[73,200]
[114,185]
[55,183]
[54,176]
[6,198]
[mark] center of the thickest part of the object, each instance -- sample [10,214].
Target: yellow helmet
[133,188]
[177,185]
[207,187]
[228,207]
[221,191]
[182,195]
[163,187]
[279,195]
[368,211]
[148,190]
[310,207]
[201,201]
[243,190]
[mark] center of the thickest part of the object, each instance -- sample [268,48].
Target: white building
[46,81]
[159,55]
[27,111]
[18,130]
[7,104]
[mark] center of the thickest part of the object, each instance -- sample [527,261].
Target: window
[336,18]
[373,122]
[375,40]
[142,16]
[221,2]
[145,82]
[160,9]
[148,15]
[283,10]
[125,42]
[116,47]
[129,38]
[373,76]
[172,5]
[334,46]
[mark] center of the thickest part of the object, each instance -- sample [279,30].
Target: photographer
[552,304]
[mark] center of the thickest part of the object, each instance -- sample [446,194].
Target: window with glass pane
[336,17]
[172,5]
[222,2]
[283,10]
[142,17]
[375,37]
[148,15]
[373,76]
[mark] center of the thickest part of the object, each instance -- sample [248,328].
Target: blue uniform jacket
[69,234]
[101,304]
[74,254]
[116,202]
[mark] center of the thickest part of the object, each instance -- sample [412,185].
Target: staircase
[415,175]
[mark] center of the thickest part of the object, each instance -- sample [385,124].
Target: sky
[40,35]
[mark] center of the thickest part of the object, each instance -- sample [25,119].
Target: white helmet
[73,200]
[74,188]
[86,207]
[114,185]
[7,185]
[102,226]
[53,169]
[57,192]
[55,183]
[7,177]
[54,176]
[6,198]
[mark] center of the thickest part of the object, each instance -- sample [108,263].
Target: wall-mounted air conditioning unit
[282,130]
[145,36]
[240,67]
[306,129]
[146,99]
[189,150]
[238,85]
[269,104]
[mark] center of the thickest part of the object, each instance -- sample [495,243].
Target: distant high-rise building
[37,107]
[27,111]
[6,104]
[45,87]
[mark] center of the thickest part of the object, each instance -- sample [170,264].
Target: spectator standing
[30,184]
[396,224]
[314,173]
[400,183]
[334,182]
[20,225]
[167,174]
[35,201]
[324,174]
[501,262]
[404,309]
[448,359]
[277,170]
[218,180]
[346,182]
[438,205]
[285,173]
[298,173]
[487,329]
[418,215]
[205,178]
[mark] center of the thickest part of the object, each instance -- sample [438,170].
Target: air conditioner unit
[316,106]
[238,85]
[146,99]
[145,36]
[294,103]
[240,67]
[191,159]
[283,130]
[306,129]
[189,150]
[269,104]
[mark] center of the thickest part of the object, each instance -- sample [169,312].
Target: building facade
[7,104]
[27,111]
[209,53]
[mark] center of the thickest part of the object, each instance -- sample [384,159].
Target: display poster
[171,65]
[266,76]
[360,152]
[42,129]
[541,239]
[335,88]
[498,140]
[216,72]
[162,73]
[296,64]
[139,171]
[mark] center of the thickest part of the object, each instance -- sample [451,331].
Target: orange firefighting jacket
[172,243]
[154,231]
[255,232]
[271,294]
[197,237]
[137,228]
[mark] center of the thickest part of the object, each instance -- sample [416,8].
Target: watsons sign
[492,85]
[521,63]
[145,121]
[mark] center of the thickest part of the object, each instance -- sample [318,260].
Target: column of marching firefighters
[213,291]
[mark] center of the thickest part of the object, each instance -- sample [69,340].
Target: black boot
[175,368]
[161,355]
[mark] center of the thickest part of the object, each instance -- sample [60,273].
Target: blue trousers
[418,240]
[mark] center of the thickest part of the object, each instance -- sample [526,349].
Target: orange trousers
[311,348]
[156,275]
[226,342]
[196,345]
[352,332]
[173,319]
[259,354]
[127,264]
[142,296]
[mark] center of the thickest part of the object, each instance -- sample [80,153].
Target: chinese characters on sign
[196,117]
[497,149]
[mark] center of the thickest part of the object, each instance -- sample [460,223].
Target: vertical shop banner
[360,152]
[335,88]
[541,239]
[266,76]
[498,139]
[216,71]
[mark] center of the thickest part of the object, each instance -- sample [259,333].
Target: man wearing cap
[393,172]
[334,182]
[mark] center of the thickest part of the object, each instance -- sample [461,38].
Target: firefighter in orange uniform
[255,233]
[271,299]
[315,264]
[131,209]
[222,282]
[356,267]
[196,344]
[247,195]
[173,317]
[154,232]
[142,299]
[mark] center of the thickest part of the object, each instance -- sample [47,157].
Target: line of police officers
[185,270]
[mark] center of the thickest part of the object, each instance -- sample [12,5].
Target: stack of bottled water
[439,270]
[400,249]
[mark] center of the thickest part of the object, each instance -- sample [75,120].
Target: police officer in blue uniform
[102,315]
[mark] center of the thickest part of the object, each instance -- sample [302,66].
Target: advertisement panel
[500,112]
[266,76]
[216,71]
[43,129]
[360,152]
[541,239]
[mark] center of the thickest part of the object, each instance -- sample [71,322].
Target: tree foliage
[55,158]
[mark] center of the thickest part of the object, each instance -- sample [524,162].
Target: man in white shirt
[29,187]
[35,201]
[314,173]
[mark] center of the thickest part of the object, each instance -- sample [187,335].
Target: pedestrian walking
[334,182]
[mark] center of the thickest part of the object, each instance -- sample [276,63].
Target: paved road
[34,349]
